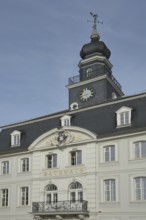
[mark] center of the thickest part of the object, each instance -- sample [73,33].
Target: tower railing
[93,74]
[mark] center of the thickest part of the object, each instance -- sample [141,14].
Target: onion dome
[95,46]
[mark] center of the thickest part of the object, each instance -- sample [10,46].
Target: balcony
[60,208]
[93,74]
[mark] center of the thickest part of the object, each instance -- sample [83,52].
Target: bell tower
[95,83]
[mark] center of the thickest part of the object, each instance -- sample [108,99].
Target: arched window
[51,193]
[75,192]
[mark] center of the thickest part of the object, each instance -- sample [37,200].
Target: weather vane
[95,16]
[95,21]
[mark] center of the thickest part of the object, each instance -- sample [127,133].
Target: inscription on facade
[65,172]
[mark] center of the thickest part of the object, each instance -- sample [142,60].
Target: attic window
[124,116]
[114,96]
[15,138]
[65,120]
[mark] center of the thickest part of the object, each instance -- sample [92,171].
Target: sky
[40,42]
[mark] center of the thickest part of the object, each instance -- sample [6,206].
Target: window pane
[143,149]
[49,198]
[126,117]
[72,197]
[4,197]
[112,153]
[25,165]
[106,152]
[122,118]
[79,157]
[49,161]
[137,150]
[73,158]
[5,167]
[80,196]
[55,197]
[24,196]
[55,160]
[113,196]
[109,190]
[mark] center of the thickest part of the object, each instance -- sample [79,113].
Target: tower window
[89,72]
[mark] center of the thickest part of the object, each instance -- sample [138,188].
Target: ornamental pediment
[60,138]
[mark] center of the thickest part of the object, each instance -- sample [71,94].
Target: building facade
[87,162]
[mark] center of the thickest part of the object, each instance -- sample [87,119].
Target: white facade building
[87,162]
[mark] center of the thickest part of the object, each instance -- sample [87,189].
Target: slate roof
[99,119]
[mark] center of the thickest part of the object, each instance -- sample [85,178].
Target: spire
[94,32]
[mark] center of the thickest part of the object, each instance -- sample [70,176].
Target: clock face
[86,94]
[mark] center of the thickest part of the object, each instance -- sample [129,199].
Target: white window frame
[108,150]
[108,187]
[138,155]
[15,138]
[53,162]
[5,167]
[76,157]
[51,195]
[24,196]
[102,189]
[25,164]
[66,120]
[140,188]
[76,193]
[5,197]
[123,116]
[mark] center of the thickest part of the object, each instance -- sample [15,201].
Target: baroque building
[87,162]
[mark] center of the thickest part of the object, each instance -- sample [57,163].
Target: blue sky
[40,41]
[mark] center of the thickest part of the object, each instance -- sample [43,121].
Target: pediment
[59,138]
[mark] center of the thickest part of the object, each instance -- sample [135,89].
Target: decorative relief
[61,138]
[65,172]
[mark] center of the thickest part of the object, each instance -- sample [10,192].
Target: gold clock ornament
[86,94]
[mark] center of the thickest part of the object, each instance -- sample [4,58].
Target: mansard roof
[99,119]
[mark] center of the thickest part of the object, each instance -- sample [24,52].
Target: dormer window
[65,120]
[15,138]
[124,116]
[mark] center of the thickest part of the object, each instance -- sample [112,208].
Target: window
[4,197]
[140,188]
[24,196]
[76,192]
[51,193]
[52,161]
[124,116]
[25,164]
[109,190]
[15,138]
[109,153]
[76,157]
[114,96]
[74,106]
[140,149]
[5,167]
[65,120]
[89,72]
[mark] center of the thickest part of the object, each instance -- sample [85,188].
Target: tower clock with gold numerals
[86,94]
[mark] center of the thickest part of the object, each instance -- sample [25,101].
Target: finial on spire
[94,32]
